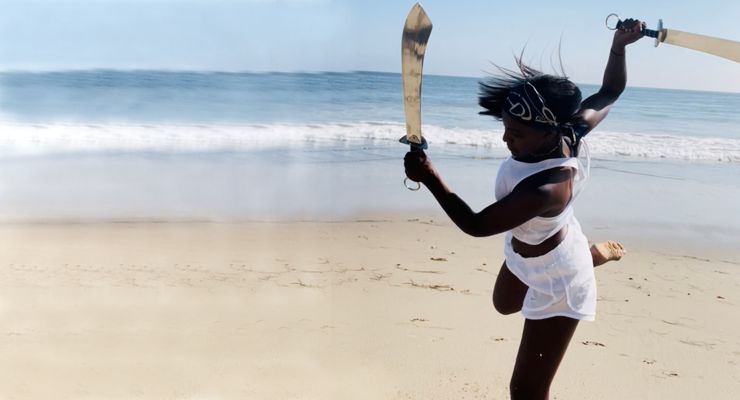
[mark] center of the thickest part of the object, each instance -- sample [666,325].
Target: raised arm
[595,108]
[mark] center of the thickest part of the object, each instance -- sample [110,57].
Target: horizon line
[316,72]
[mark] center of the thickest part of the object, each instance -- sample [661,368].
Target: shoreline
[689,203]
[380,307]
[687,240]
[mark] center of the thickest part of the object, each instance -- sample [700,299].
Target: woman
[548,272]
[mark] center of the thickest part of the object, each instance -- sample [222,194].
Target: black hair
[560,94]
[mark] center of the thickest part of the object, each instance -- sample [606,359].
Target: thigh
[509,292]
[542,348]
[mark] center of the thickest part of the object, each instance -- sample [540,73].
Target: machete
[416,33]
[724,48]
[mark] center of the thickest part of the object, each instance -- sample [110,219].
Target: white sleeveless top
[512,172]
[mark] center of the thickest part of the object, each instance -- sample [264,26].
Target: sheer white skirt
[561,282]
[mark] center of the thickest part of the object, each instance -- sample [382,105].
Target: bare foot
[606,251]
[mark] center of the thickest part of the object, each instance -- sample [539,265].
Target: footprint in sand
[379,277]
[698,343]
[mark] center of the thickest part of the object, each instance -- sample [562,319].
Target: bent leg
[542,348]
[509,292]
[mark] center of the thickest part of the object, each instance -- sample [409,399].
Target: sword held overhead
[724,48]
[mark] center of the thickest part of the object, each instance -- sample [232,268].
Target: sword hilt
[417,148]
[645,32]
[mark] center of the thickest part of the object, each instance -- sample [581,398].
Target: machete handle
[415,147]
[645,32]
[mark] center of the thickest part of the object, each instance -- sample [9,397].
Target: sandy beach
[204,200]
[390,307]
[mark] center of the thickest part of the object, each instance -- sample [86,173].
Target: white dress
[561,282]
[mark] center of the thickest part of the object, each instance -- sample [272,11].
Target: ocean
[107,145]
[158,111]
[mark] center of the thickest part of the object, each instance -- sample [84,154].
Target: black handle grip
[645,32]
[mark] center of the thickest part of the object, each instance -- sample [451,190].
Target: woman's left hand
[630,32]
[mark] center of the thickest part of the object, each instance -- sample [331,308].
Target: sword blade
[416,33]
[724,48]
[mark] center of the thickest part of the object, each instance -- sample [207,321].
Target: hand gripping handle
[414,147]
[645,32]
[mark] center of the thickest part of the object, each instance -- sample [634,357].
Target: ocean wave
[17,139]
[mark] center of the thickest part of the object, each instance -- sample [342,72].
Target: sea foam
[20,140]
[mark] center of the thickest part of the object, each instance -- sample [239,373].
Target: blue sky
[341,35]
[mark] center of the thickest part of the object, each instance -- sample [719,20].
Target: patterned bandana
[525,103]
